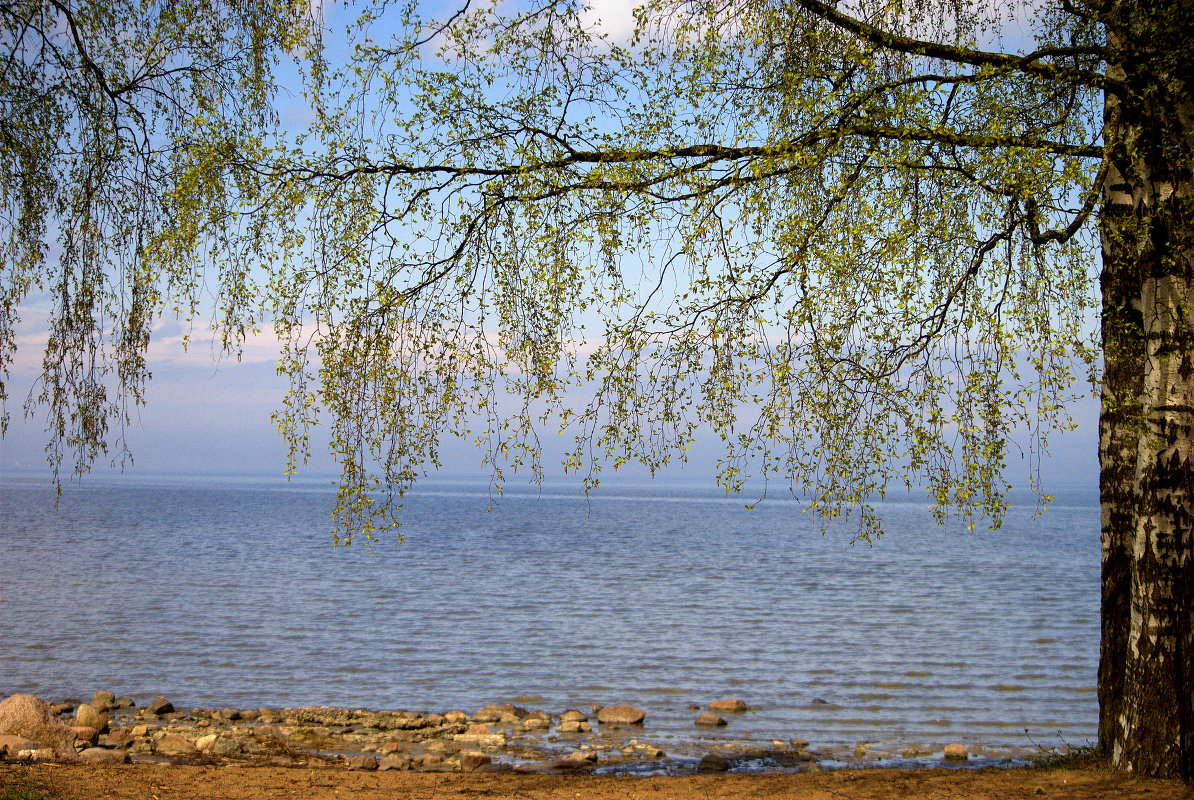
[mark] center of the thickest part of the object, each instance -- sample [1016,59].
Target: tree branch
[709,154]
[1092,197]
[92,67]
[1030,63]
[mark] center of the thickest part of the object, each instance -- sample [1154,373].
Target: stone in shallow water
[956,752]
[621,715]
[710,721]
[732,706]
[366,763]
[712,762]
[575,726]
[160,705]
[574,761]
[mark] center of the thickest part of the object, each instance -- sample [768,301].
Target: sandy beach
[165,781]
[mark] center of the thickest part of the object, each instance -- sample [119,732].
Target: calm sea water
[219,593]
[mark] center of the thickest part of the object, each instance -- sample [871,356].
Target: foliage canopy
[858,248]
[860,258]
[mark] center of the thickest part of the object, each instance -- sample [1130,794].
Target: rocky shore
[497,738]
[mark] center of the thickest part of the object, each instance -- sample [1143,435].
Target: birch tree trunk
[1146,678]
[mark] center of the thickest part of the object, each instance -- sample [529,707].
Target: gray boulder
[710,721]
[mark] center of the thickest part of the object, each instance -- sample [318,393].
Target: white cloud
[614,18]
